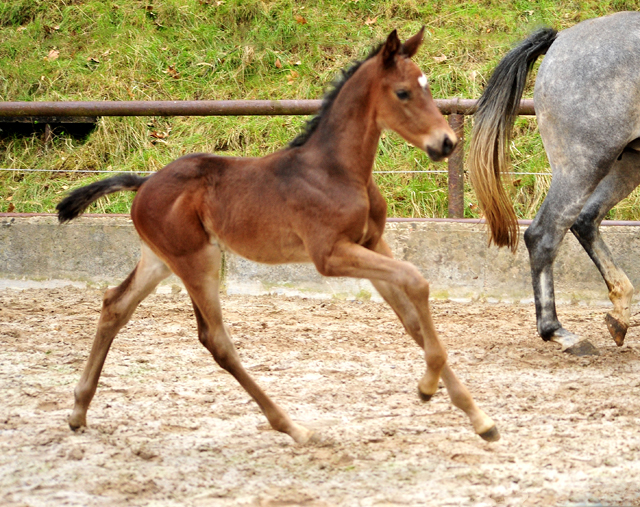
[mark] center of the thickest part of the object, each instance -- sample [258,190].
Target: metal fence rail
[205,108]
[456,109]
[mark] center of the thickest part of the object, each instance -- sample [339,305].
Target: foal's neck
[349,133]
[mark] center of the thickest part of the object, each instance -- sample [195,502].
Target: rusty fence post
[456,168]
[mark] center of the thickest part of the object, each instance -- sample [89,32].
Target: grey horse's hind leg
[569,192]
[619,183]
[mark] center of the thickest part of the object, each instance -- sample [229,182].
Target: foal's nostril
[447,146]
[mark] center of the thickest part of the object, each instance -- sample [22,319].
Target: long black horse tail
[80,199]
[493,123]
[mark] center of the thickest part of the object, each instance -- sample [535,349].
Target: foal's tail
[80,199]
[493,122]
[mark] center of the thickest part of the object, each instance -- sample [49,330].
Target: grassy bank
[249,49]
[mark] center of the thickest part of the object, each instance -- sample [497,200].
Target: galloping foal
[314,201]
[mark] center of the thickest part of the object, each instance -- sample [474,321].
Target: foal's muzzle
[443,148]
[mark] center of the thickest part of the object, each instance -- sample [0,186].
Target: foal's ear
[391,49]
[410,47]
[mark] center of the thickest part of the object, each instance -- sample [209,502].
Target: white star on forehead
[423,80]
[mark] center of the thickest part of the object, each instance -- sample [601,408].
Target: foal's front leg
[404,288]
[459,394]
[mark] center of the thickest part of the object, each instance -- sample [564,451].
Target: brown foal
[314,201]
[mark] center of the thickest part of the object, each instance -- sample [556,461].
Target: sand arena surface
[169,427]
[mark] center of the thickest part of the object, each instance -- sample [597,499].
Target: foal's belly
[270,249]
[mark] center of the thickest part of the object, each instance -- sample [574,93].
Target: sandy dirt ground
[168,427]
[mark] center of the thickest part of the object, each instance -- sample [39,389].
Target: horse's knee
[413,283]
[530,238]
[542,245]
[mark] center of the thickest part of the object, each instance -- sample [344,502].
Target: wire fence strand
[94,171]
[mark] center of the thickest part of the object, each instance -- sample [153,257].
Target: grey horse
[587,101]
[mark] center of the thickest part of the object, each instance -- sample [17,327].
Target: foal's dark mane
[329,98]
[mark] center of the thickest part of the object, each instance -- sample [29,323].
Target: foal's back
[261,208]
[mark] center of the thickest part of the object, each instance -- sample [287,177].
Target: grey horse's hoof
[617,329]
[491,435]
[582,348]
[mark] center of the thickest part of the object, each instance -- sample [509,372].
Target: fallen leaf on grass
[159,135]
[171,70]
[440,59]
[371,21]
[10,208]
[278,64]
[292,77]
[53,55]
[300,20]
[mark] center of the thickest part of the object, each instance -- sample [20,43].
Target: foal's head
[405,103]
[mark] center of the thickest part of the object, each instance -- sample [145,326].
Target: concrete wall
[454,257]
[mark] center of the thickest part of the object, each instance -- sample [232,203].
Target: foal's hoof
[491,435]
[77,428]
[617,329]
[424,397]
[582,348]
[320,439]
[77,424]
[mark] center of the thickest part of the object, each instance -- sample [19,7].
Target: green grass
[249,49]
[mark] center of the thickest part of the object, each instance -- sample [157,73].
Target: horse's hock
[453,256]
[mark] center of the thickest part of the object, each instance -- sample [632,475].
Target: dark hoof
[583,348]
[77,429]
[491,435]
[77,424]
[424,397]
[617,329]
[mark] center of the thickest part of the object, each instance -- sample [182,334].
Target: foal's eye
[403,94]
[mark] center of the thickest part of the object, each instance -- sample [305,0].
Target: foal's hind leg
[200,274]
[459,394]
[118,305]
[619,183]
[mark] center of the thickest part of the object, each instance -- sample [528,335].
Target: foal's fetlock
[484,426]
[427,388]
